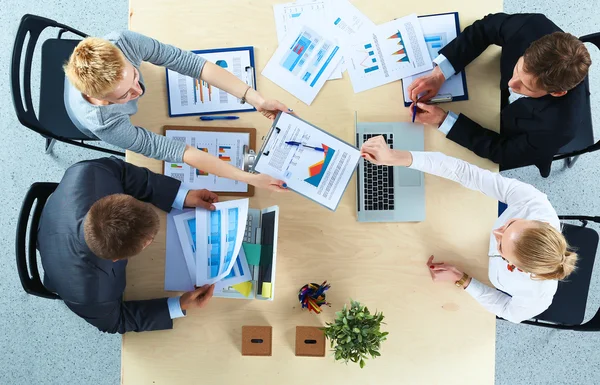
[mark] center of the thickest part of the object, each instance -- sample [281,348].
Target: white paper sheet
[228,146]
[438,31]
[320,176]
[393,51]
[189,96]
[291,15]
[303,62]
[219,236]
[178,270]
[177,274]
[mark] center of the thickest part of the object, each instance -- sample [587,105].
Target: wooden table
[438,333]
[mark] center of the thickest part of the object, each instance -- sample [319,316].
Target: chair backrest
[568,306]
[26,242]
[31,26]
[584,140]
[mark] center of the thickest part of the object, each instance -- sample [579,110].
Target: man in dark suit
[543,92]
[97,219]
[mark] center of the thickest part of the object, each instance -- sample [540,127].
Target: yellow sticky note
[244,288]
[266,289]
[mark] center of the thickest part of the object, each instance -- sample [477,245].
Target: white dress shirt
[517,297]
[448,71]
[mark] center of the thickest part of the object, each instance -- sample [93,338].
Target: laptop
[388,193]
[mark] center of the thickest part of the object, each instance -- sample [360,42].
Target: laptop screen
[266,255]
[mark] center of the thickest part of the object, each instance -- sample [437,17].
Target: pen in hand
[292,143]
[415,110]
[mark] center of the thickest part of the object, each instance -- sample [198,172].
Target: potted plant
[356,333]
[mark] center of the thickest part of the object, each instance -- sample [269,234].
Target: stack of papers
[211,242]
[320,39]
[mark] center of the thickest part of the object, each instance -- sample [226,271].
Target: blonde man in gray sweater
[106,82]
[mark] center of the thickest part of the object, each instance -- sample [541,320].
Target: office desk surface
[438,333]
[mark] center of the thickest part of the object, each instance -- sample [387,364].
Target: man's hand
[201,198]
[429,114]
[426,86]
[270,108]
[267,182]
[197,298]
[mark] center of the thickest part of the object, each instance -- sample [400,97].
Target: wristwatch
[462,281]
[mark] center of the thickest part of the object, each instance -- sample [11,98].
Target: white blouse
[516,297]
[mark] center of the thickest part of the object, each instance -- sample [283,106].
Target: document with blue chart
[438,31]
[321,176]
[211,240]
[389,52]
[304,61]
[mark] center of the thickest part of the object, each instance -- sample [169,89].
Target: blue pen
[415,110]
[219,117]
[321,149]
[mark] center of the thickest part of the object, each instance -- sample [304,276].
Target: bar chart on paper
[227,146]
[193,96]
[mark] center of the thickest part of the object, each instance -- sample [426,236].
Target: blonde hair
[95,67]
[543,251]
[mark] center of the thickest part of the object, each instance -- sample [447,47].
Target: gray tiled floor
[42,342]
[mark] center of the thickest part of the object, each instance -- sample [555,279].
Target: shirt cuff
[475,288]
[445,66]
[448,123]
[175,308]
[180,198]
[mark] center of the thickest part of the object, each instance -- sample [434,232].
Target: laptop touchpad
[408,177]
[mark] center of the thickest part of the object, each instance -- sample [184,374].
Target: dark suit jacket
[90,286]
[532,129]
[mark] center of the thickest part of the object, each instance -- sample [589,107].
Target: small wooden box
[257,340]
[310,341]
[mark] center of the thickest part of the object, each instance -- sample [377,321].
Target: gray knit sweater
[111,123]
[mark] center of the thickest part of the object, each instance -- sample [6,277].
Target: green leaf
[362,363]
[348,339]
[356,330]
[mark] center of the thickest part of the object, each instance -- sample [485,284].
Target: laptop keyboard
[378,181]
[248,232]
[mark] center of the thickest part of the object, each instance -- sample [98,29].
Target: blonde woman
[106,82]
[528,253]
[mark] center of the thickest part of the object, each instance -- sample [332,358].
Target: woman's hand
[270,108]
[441,272]
[267,182]
[377,151]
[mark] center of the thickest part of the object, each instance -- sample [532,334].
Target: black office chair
[53,123]
[568,307]
[26,248]
[584,139]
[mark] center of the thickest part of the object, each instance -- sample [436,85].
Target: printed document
[227,146]
[291,15]
[319,175]
[192,96]
[390,52]
[438,31]
[304,61]
[211,240]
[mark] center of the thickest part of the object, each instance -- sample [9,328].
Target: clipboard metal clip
[249,158]
[441,98]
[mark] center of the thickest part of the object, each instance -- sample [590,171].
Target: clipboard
[446,97]
[268,143]
[247,72]
[248,153]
